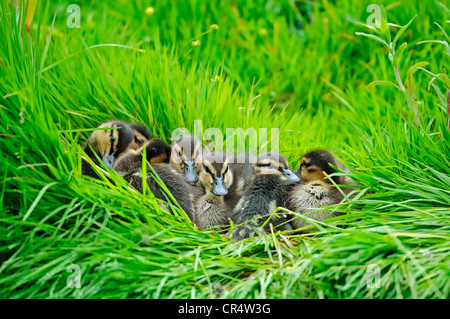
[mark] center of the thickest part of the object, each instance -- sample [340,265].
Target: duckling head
[187,157]
[157,151]
[315,163]
[112,141]
[215,174]
[274,164]
[141,135]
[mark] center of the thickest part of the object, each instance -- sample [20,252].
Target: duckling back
[181,191]
[259,200]
[211,212]
[157,155]
[242,167]
[156,151]
[269,189]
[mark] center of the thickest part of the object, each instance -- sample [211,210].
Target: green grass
[296,66]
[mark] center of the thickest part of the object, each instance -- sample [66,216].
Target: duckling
[158,154]
[321,159]
[216,177]
[109,144]
[141,135]
[187,157]
[315,190]
[268,189]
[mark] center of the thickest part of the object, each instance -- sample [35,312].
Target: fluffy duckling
[216,177]
[315,190]
[269,189]
[187,157]
[141,135]
[158,154]
[109,144]
[321,160]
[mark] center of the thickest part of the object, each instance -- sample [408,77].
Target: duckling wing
[260,199]
[242,177]
[211,212]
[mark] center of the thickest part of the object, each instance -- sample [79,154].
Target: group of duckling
[215,189]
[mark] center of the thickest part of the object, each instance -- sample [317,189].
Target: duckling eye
[112,139]
[140,141]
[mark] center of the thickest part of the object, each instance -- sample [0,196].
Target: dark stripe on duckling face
[138,139]
[112,140]
[141,131]
[275,164]
[141,136]
[117,141]
[109,157]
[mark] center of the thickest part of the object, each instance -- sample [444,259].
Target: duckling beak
[189,172]
[108,160]
[219,187]
[291,176]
